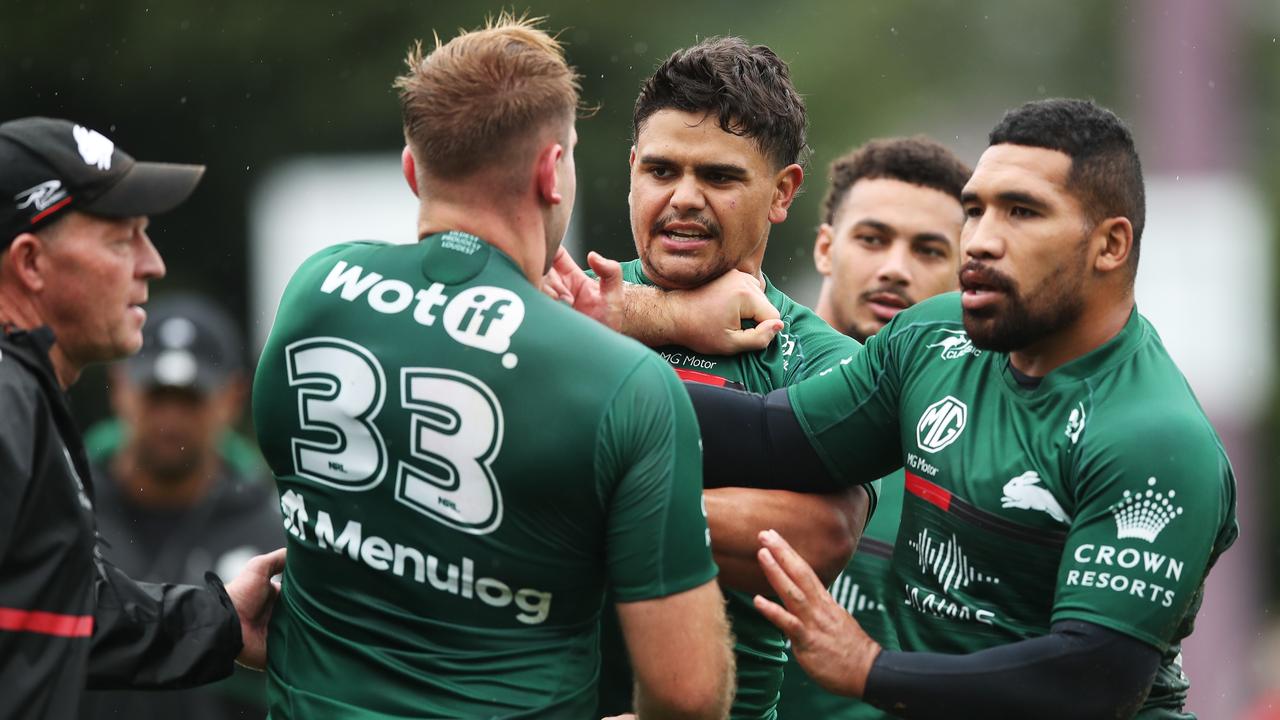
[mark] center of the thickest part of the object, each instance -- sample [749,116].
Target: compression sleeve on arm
[1079,670]
[755,441]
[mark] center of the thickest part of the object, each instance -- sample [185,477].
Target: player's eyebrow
[877,225]
[728,169]
[1017,197]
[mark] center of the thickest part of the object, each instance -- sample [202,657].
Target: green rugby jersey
[805,346]
[865,590]
[460,483]
[1101,495]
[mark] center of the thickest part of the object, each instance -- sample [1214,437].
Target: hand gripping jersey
[866,590]
[1102,494]
[805,346]
[464,466]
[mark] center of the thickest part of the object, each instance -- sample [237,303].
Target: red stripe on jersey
[928,492]
[46,623]
[701,377]
[47,211]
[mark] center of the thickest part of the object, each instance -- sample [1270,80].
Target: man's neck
[515,231]
[1095,327]
[20,311]
[144,489]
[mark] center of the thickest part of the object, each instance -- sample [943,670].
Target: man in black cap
[75,261]
[178,491]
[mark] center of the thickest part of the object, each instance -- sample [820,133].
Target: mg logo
[941,423]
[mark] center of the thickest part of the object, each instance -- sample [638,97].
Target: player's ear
[1113,239]
[822,249]
[23,261]
[631,159]
[410,169]
[785,186]
[548,180]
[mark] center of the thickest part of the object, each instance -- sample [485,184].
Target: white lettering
[1081,553]
[493,592]
[428,300]
[353,285]
[378,296]
[402,553]
[376,552]
[349,540]
[1128,558]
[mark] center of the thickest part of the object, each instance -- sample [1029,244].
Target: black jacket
[68,618]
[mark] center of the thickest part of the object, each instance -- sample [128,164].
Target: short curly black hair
[1106,174]
[918,160]
[747,87]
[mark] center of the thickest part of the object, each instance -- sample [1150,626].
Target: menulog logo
[941,423]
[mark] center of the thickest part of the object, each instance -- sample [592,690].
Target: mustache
[709,226]
[975,273]
[894,290]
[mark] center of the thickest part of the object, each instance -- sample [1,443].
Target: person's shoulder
[941,309]
[17,377]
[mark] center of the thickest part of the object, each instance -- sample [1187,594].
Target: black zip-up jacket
[69,620]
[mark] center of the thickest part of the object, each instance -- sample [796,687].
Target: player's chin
[683,270]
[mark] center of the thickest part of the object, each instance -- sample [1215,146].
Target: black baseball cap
[187,342]
[49,166]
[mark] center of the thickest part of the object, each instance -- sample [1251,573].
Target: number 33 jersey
[1099,494]
[460,480]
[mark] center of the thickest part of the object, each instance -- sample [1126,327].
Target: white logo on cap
[41,196]
[94,147]
[175,367]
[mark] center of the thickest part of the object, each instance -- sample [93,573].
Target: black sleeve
[1078,671]
[755,441]
[148,635]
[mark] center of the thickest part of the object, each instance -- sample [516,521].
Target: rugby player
[460,482]
[719,136]
[1066,495]
[890,237]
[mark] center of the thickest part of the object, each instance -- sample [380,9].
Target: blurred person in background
[890,237]
[179,492]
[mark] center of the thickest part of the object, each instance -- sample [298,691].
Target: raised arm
[708,319]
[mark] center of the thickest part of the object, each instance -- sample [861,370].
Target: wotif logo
[483,316]
[941,423]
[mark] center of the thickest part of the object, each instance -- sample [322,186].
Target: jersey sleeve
[850,411]
[821,345]
[657,542]
[1151,507]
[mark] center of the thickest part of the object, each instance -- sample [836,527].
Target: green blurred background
[244,86]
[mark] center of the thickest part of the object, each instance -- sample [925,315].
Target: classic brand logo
[941,423]
[1144,514]
[1026,492]
[95,149]
[956,344]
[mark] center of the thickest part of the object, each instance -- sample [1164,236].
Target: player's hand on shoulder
[710,317]
[600,299]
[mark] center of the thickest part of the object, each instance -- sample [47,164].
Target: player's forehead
[906,208]
[696,138]
[1008,168]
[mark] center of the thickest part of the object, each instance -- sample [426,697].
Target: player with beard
[1066,496]
[718,141]
[890,237]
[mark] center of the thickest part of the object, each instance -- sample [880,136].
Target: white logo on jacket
[940,424]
